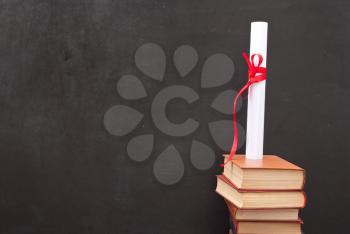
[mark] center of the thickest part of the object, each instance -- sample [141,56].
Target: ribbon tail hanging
[255,75]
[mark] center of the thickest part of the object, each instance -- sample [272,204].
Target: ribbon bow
[255,75]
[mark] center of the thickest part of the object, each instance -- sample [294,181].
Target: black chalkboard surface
[114,114]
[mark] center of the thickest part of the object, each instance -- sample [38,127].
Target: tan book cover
[268,162]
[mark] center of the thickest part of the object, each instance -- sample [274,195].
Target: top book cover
[268,162]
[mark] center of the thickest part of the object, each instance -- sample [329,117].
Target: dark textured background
[61,172]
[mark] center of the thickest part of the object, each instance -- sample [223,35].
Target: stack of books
[263,196]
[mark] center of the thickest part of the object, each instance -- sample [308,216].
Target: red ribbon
[255,75]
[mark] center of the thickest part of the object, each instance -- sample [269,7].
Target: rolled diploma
[256,95]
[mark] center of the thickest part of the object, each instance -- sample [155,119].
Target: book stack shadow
[263,196]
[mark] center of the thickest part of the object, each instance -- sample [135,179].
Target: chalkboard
[115,114]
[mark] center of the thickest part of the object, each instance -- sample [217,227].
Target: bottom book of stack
[264,221]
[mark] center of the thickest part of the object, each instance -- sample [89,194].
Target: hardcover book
[262,214]
[264,227]
[257,199]
[269,173]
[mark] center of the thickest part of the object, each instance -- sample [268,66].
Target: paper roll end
[261,23]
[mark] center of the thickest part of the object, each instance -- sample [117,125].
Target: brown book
[230,231]
[262,214]
[258,199]
[264,227]
[269,173]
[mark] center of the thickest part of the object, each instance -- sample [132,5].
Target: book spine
[232,226]
[304,180]
[305,198]
[235,223]
[232,208]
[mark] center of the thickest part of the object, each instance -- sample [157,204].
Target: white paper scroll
[256,95]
